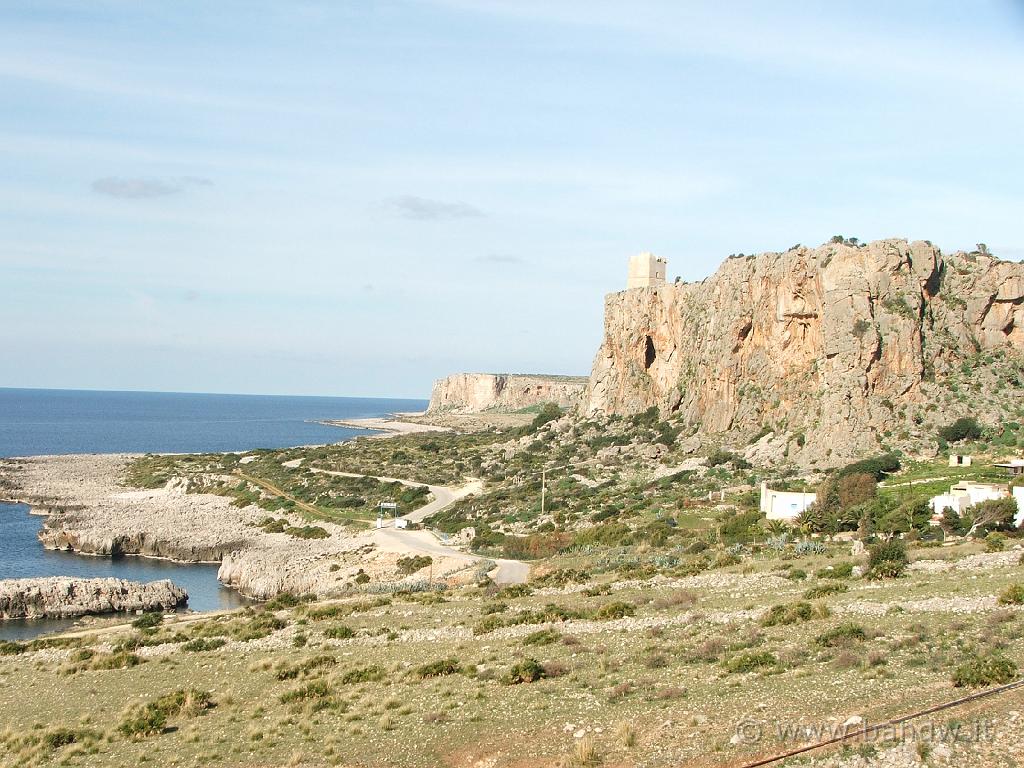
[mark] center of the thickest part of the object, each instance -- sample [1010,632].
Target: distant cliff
[840,350]
[479,392]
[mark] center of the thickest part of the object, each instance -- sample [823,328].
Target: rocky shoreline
[60,597]
[89,510]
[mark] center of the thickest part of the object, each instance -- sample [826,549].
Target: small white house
[784,505]
[968,493]
[959,460]
[1013,466]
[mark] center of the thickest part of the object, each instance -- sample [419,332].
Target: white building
[784,505]
[959,460]
[646,271]
[968,493]
[1013,466]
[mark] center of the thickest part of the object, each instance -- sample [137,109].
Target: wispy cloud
[499,258]
[143,188]
[425,209]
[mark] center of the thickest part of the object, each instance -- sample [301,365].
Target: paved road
[424,542]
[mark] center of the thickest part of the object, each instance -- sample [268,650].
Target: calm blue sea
[36,422]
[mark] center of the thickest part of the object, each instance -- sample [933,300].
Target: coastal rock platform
[61,597]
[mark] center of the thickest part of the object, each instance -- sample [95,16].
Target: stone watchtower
[646,271]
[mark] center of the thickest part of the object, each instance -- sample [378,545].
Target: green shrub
[984,669]
[844,634]
[887,559]
[318,689]
[308,532]
[310,666]
[616,610]
[440,668]
[878,467]
[117,660]
[61,737]
[995,542]
[287,600]
[340,633]
[202,644]
[150,719]
[148,620]
[409,565]
[8,648]
[824,590]
[542,637]
[843,570]
[751,661]
[527,671]
[1012,595]
[368,674]
[791,613]
[964,428]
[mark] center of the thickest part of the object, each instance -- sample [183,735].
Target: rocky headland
[60,597]
[838,350]
[481,392]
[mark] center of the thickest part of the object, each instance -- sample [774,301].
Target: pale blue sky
[353,198]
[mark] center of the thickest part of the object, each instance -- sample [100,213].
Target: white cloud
[143,188]
[425,209]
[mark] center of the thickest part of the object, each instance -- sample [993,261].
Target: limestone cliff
[479,392]
[839,348]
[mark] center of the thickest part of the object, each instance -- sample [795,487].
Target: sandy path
[424,542]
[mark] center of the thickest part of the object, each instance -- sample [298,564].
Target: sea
[36,422]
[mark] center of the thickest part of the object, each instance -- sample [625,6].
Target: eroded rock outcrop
[835,348]
[60,597]
[479,392]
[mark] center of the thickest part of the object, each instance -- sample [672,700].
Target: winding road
[426,543]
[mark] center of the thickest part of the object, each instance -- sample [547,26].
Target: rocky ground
[584,668]
[60,597]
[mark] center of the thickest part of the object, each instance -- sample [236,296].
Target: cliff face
[478,392]
[836,346]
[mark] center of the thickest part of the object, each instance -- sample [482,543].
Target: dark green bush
[527,671]
[990,668]
[440,668]
[148,620]
[202,644]
[790,613]
[887,559]
[964,428]
[844,634]
[340,633]
[751,661]
[615,610]
[1012,595]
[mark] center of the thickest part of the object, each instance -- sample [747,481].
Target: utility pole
[543,489]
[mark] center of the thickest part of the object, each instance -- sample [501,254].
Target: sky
[356,198]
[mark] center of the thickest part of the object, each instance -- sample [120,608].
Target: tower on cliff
[646,271]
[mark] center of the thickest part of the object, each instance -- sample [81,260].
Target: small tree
[964,428]
[856,489]
[993,515]
[887,559]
